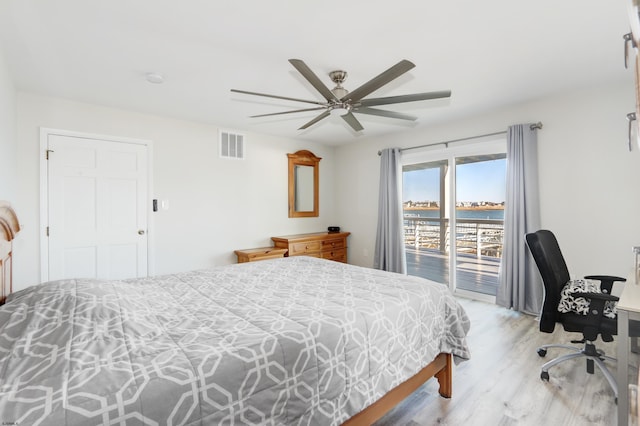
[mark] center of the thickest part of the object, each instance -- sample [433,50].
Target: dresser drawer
[339,255]
[333,244]
[306,247]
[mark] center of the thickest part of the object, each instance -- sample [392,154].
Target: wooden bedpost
[9,227]
[445,378]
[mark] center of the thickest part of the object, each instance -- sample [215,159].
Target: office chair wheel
[544,376]
[542,352]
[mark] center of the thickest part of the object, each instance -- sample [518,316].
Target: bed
[297,340]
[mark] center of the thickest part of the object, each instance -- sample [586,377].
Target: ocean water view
[490,214]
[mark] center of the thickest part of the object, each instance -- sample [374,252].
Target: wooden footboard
[440,368]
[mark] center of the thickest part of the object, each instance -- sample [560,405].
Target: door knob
[140,231]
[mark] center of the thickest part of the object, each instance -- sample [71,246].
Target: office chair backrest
[555,274]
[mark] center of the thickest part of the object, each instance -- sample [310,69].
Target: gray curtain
[520,286]
[389,252]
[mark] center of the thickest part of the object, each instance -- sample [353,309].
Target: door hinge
[47,231]
[47,153]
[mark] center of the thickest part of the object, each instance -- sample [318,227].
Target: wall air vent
[231,145]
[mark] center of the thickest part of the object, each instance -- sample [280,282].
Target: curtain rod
[534,126]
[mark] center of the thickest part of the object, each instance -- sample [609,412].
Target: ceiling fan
[340,101]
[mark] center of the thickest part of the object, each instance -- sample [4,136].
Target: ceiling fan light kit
[339,101]
[154,77]
[340,109]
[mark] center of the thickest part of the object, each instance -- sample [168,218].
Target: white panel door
[97,208]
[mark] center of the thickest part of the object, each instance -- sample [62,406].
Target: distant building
[420,204]
[460,204]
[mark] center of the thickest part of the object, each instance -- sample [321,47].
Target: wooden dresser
[327,245]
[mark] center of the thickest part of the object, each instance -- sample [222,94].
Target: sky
[482,181]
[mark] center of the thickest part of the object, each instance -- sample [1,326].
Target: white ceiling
[490,53]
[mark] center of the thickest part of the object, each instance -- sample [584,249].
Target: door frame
[478,146]
[45,132]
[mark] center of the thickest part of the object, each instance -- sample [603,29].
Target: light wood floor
[501,383]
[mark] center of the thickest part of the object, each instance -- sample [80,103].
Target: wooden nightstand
[261,253]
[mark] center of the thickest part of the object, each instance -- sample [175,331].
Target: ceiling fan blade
[377,82]
[313,79]
[405,98]
[352,121]
[276,97]
[287,112]
[315,120]
[383,113]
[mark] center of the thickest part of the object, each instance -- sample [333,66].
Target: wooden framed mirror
[304,175]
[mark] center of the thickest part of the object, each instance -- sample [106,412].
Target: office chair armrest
[596,296]
[606,281]
[605,278]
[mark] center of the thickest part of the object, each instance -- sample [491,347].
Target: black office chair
[553,269]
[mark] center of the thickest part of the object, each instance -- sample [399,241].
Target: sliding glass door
[453,203]
[426,219]
[479,218]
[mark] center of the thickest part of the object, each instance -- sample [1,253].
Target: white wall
[216,205]
[7,133]
[589,195]
[589,182]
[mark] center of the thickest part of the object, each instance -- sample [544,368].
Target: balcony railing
[482,237]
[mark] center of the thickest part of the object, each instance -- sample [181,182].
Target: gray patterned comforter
[286,341]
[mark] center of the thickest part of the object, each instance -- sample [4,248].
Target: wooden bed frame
[440,367]
[9,227]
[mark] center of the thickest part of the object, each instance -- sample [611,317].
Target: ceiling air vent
[231,145]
